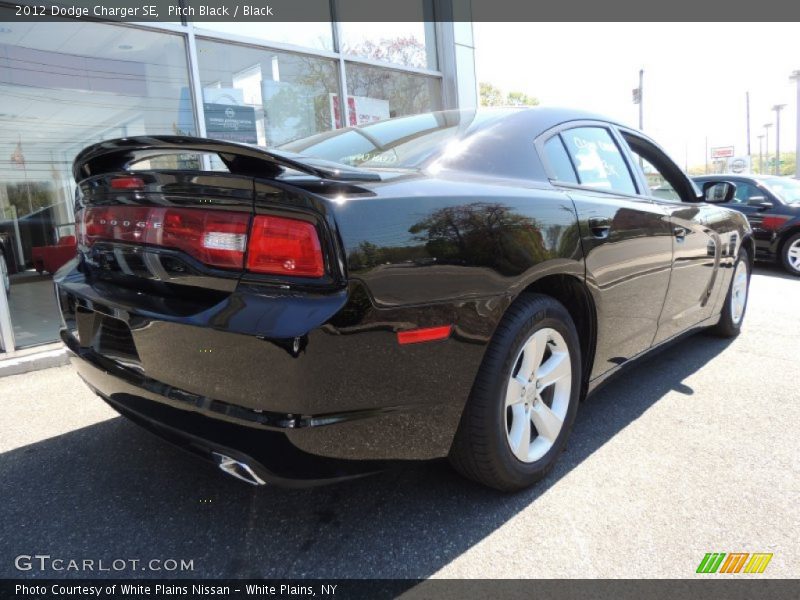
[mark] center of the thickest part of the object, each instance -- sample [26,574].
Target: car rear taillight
[216,238]
[774,221]
[283,246]
[219,238]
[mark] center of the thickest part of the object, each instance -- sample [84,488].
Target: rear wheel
[524,400]
[790,255]
[732,316]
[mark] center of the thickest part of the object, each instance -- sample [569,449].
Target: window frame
[549,164]
[742,182]
[692,195]
[612,131]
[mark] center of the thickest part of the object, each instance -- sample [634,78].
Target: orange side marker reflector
[427,334]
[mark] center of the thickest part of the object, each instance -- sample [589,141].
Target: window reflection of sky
[405,143]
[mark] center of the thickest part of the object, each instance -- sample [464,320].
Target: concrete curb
[33,362]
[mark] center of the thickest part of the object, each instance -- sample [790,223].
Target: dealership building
[67,84]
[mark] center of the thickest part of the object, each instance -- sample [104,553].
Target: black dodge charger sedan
[446,284]
[772,205]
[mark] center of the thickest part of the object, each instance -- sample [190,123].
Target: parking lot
[695,450]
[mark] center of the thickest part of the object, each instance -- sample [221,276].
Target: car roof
[501,138]
[537,118]
[509,150]
[737,175]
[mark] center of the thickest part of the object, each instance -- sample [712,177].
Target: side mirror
[759,202]
[718,191]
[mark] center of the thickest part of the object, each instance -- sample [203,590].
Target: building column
[456,48]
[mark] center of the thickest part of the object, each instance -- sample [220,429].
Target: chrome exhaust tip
[237,469]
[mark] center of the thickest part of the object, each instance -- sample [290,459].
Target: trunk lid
[153,215]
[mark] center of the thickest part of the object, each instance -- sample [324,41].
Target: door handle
[680,233]
[600,227]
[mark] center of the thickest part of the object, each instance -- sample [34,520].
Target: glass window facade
[408,44]
[411,44]
[375,93]
[318,36]
[66,85]
[278,97]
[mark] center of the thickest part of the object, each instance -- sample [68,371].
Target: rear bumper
[344,401]
[269,452]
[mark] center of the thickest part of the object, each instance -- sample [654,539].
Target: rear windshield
[402,143]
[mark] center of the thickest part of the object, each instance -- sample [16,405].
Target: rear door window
[559,161]
[598,160]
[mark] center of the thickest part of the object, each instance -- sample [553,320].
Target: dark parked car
[447,284]
[772,205]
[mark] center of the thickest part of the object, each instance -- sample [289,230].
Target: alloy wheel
[793,255]
[538,395]
[739,292]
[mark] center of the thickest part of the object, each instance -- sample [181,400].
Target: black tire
[728,326]
[787,245]
[481,450]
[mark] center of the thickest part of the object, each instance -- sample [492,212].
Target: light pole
[778,108]
[766,142]
[747,96]
[641,97]
[796,77]
[761,154]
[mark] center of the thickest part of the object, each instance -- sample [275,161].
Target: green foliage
[788,160]
[521,99]
[407,94]
[482,233]
[490,95]
[493,96]
[370,255]
[697,170]
[28,197]
[485,234]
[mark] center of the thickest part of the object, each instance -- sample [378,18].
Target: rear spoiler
[240,159]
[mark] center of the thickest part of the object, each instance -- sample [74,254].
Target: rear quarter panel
[427,252]
[421,240]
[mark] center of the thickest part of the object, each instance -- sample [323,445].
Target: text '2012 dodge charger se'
[446,284]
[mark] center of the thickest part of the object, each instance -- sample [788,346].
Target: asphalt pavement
[695,450]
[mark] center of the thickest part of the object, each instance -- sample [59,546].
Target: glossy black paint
[313,366]
[769,240]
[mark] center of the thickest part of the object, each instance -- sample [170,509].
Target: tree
[768,168]
[521,99]
[493,96]
[490,95]
[486,234]
[29,197]
[788,161]
[407,94]
[406,50]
